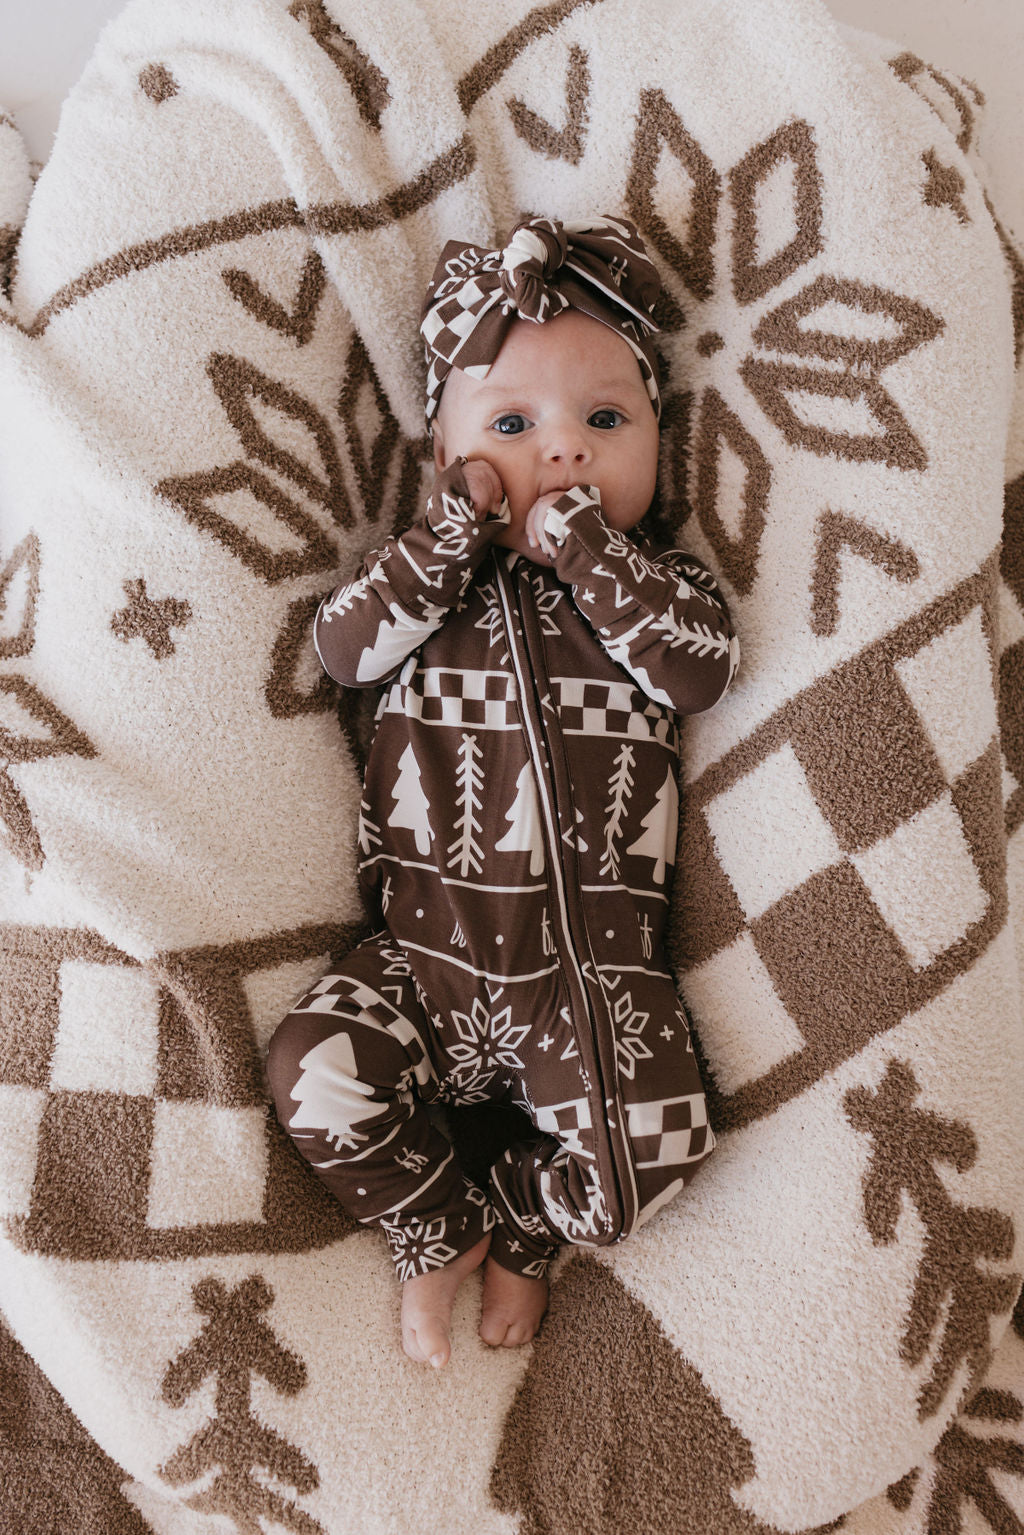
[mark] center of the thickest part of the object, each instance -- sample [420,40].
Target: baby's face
[563,404]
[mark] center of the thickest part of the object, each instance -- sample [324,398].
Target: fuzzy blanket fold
[210,404]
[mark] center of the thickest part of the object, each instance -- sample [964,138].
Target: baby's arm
[406,589]
[662,617]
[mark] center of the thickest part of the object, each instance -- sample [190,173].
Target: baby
[518,824]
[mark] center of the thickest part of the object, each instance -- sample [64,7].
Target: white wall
[982,40]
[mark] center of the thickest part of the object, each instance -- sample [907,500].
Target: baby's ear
[438,439]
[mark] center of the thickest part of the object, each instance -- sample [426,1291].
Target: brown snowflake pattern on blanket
[517,835]
[212,407]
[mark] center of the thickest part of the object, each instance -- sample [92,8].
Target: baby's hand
[485,489]
[536,535]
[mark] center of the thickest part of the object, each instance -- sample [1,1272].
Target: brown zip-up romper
[516,837]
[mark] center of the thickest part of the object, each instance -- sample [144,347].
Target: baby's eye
[510,425]
[605,420]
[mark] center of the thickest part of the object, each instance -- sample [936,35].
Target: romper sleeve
[660,616]
[405,590]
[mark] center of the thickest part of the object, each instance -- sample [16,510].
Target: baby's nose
[566,444]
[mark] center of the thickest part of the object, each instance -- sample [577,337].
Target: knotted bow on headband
[476,295]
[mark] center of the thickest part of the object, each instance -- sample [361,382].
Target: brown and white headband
[476,294]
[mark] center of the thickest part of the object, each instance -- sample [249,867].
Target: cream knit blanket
[210,404]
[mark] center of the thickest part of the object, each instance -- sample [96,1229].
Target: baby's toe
[425,1339]
[519,1332]
[494,1326]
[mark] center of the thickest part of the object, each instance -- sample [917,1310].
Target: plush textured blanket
[210,404]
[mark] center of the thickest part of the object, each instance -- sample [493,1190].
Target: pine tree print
[320,1105]
[369,831]
[962,1467]
[620,792]
[689,1450]
[234,1346]
[524,833]
[659,838]
[954,1295]
[411,804]
[466,853]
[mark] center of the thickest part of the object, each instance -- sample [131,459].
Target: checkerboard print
[443,696]
[566,1121]
[669,1131]
[133,1118]
[845,876]
[610,709]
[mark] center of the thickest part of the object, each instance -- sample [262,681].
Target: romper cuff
[520,1254]
[558,518]
[420,1243]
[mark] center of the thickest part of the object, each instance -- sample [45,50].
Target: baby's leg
[344,1067]
[513,1305]
[602,1169]
[427,1302]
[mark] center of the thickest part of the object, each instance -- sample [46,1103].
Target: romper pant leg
[548,1189]
[348,1069]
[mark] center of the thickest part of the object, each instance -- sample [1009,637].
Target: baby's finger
[485,490]
[540,512]
[535,526]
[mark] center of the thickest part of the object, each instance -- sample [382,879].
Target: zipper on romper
[538,739]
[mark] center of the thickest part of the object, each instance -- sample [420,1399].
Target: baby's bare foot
[513,1305]
[427,1306]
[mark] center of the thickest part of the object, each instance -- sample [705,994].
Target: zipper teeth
[546,806]
[556,863]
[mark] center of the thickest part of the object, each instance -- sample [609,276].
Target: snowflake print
[618,544]
[395,963]
[587,1217]
[780,330]
[487,1042]
[546,602]
[491,622]
[629,1026]
[417,1248]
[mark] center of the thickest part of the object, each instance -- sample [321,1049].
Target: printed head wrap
[476,295]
